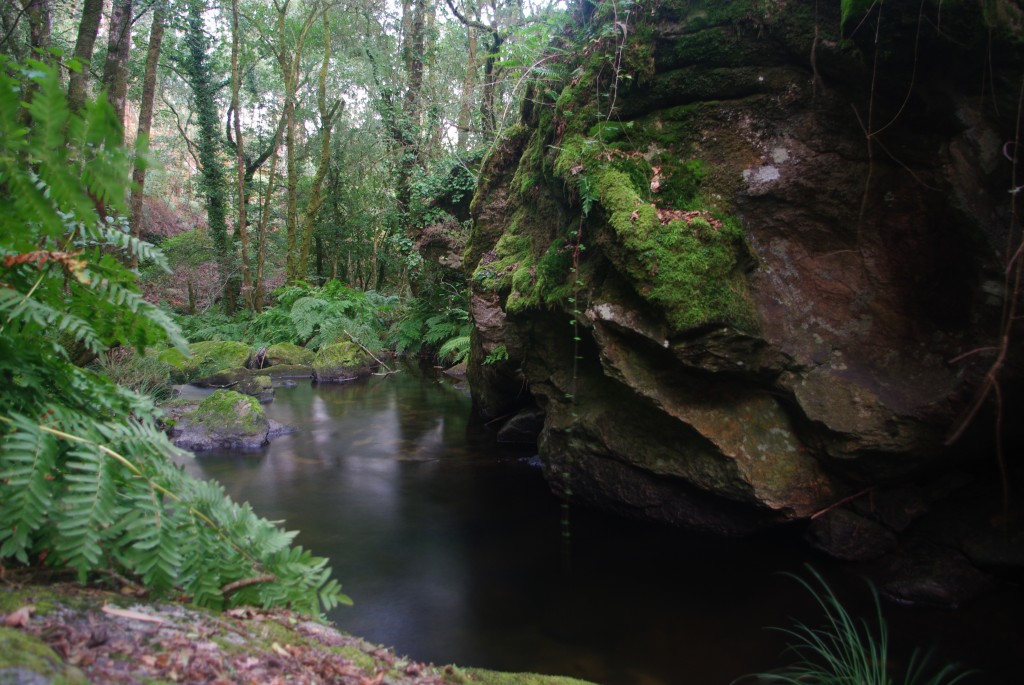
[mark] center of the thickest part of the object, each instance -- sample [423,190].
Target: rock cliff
[740,254]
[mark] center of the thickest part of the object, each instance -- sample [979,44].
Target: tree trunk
[318,245]
[115,69]
[39,24]
[488,119]
[465,119]
[327,116]
[242,225]
[156,37]
[289,62]
[88,27]
[261,234]
[212,175]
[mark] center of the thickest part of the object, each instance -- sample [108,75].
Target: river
[452,551]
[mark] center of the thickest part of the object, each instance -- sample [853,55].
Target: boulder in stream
[260,387]
[731,310]
[344,361]
[224,419]
[288,354]
[206,359]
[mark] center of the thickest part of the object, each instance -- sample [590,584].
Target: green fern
[456,350]
[87,480]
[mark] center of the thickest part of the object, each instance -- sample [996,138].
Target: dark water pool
[452,552]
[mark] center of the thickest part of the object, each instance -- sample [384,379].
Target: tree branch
[191,146]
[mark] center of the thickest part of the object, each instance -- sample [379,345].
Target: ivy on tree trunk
[204,93]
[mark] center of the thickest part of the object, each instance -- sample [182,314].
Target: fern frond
[28,459]
[113,236]
[86,508]
[455,350]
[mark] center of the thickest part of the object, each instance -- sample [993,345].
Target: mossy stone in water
[341,362]
[288,353]
[286,371]
[224,378]
[207,358]
[224,419]
[259,387]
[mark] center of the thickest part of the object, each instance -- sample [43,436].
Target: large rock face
[741,279]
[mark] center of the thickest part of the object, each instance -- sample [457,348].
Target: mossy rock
[224,419]
[206,359]
[288,353]
[27,659]
[259,387]
[341,362]
[479,676]
[286,371]
[225,378]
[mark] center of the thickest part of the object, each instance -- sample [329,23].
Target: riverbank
[66,634]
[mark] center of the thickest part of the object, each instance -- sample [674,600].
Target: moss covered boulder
[733,311]
[205,359]
[259,387]
[288,354]
[224,419]
[286,371]
[225,378]
[341,362]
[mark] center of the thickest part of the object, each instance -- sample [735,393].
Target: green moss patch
[288,353]
[206,358]
[341,361]
[688,266]
[228,412]
[27,659]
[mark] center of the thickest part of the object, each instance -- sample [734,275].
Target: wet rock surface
[340,362]
[824,367]
[225,419]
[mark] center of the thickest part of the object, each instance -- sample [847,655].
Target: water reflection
[454,555]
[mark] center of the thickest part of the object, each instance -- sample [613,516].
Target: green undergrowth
[88,480]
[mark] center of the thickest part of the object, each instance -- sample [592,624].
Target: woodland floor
[63,633]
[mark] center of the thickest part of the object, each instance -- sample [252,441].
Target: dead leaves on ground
[145,642]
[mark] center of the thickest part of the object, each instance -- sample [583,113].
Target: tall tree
[115,69]
[289,57]
[88,27]
[156,37]
[466,99]
[328,113]
[204,104]
[39,23]
[241,226]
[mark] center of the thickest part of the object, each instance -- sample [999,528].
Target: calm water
[452,552]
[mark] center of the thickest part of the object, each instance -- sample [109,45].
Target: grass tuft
[847,651]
